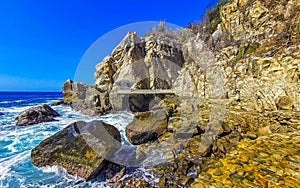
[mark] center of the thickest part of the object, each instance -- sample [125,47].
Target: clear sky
[42,42]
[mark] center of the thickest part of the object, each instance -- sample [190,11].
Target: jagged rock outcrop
[35,115]
[257,65]
[81,148]
[67,91]
[152,62]
[87,99]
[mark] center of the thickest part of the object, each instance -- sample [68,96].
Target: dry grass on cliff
[210,20]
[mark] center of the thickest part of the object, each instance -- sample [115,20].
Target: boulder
[35,115]
[81,148]
[146,126]
[57,103]
[67,91]
[1,113]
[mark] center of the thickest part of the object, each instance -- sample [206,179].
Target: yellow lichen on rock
[90,155]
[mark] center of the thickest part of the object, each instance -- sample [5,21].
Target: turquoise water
[16,169]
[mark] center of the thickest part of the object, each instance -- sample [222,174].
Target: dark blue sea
[16,169]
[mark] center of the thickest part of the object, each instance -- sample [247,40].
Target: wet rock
[185,129]
[81,148]
[58,103]
[35,115]
[114,172]
[146,126]
[1,113]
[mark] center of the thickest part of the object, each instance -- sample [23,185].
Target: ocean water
[16,169]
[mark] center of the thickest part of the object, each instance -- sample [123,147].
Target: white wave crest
[7,163]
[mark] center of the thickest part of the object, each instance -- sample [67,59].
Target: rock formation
[36,115]
[81,148]
[146,126]
[153,62]
[67,91]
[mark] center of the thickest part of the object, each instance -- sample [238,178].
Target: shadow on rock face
[145,102]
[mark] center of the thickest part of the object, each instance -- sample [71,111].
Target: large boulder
[147,126]
[81,148]
[35,115]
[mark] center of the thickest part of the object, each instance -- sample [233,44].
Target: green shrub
[245,51]
[210,21]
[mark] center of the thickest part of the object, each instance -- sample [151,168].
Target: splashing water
[16,169]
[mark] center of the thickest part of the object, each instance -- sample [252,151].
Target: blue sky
[42,42]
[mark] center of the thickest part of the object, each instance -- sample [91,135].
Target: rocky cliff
[259,65]
[153,62]
[237,83]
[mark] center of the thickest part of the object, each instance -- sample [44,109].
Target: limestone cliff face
[260,66]
[264,68]
[257,20]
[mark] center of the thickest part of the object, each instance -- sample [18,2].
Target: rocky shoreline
[232,121]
